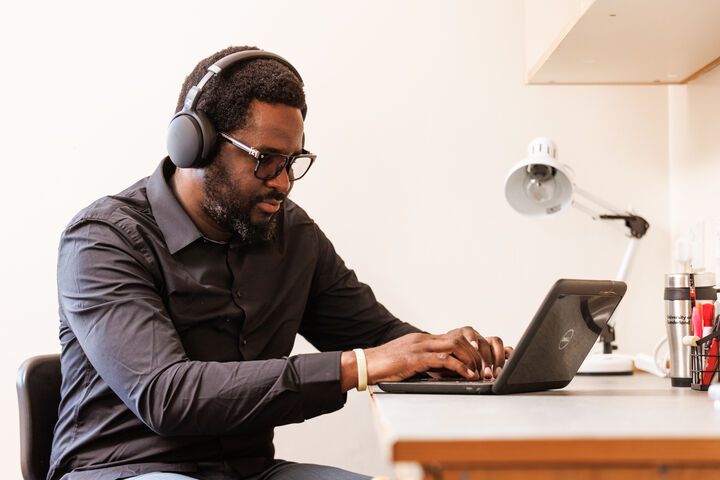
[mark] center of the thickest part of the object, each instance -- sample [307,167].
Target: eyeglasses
[269,165]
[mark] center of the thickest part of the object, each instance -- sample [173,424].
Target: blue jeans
[280,471]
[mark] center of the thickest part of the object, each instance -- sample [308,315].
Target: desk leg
[432,472]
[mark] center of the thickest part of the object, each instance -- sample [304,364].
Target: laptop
[550,352]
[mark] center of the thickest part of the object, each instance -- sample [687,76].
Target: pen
[708,312]
[708,317]
[697,322]
[711,362]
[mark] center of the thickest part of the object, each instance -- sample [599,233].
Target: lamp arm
[594,214]
[609,333]
[597,200]
[638,225]
[627,259]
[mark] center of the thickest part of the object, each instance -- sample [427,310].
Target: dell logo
[565,340]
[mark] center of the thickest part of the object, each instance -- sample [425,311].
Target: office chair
[38,389]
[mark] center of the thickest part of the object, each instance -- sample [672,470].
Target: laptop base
[464,387]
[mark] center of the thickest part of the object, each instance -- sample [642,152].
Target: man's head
[257,102]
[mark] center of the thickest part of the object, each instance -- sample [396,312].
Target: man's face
[233,197]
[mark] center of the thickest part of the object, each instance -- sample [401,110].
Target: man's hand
[490,348]
[462,352]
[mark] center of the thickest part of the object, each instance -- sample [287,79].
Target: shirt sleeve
[109,297]
[343,313]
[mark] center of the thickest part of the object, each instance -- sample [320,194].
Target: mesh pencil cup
[704,364]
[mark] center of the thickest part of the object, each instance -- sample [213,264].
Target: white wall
[417,110]
[694,116]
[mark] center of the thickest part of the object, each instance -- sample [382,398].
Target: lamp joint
[638,225]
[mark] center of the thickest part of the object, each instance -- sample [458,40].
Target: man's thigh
[161,476]
[306,471]
[282,470]
[202,475]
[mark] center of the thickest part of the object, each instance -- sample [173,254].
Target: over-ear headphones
[191,136]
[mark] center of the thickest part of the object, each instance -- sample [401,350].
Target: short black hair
[225,99]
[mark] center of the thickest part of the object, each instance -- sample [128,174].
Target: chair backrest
[38,388]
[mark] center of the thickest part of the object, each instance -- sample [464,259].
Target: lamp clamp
[638,225]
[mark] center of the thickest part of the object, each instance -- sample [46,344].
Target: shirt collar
[175,224]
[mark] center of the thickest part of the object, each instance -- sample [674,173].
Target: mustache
[272,196]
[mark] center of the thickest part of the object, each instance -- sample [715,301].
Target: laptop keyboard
[486,381]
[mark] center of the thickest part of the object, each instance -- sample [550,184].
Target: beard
[231,209]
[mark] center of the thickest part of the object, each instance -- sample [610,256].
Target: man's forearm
[348,371]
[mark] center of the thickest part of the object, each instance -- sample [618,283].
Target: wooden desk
[635,427]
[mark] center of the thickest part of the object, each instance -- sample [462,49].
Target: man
[180,299]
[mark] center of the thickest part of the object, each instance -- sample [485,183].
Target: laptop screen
[555,345]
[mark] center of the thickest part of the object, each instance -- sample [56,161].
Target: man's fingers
[418,352]
[465,349]
[459,347]
[498,350]
[492,364]
[470,335]
[478,343]
[448,362]
[481,351]
[485,352]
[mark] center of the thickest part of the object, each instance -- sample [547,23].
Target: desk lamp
[540,186]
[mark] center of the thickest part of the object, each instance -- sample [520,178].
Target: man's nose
[281,183]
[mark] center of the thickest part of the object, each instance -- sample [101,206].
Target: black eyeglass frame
[261,156]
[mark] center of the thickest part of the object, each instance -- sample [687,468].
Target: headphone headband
[193,94]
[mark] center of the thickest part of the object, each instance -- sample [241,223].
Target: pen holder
[704,365]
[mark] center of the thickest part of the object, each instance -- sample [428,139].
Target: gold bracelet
[361,369]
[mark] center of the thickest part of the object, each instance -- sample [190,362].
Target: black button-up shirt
[175,347]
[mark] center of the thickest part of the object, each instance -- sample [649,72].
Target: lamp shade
[539,185]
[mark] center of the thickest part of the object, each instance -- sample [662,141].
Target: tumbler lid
[682,280]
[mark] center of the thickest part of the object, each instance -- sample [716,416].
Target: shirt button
[238,294]
[244,342]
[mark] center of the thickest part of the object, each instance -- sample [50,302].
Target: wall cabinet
[620,41]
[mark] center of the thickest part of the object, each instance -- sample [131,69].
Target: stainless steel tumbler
[678,317]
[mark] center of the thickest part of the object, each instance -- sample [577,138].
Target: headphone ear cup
[209,138]
[184,140]
[191,139]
